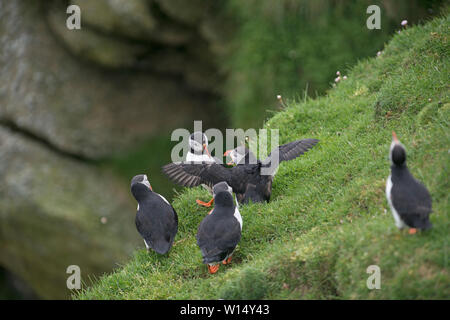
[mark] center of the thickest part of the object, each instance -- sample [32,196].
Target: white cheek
[195,145]
[237,158]
[146,183]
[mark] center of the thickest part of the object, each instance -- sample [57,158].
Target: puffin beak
[226,154]
[394,137]
[206,149]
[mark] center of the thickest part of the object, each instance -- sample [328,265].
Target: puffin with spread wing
[251,179]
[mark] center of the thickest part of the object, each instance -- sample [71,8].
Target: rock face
[71,97]
[51,212]
[86,108]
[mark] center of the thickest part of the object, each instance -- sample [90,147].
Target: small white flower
[337,79]
[404,23]
[378,53]
[104,220]
[338,73]
[278,97]
[345,78]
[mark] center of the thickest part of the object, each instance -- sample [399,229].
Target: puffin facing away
[219,232]
[247,178]
[409,200]
[156,220]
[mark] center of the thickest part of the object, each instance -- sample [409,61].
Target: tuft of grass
[328,219]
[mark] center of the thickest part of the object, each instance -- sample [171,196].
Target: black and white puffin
[198,149]
[247,178]
[199,153]
[156,219]
[408,198]
[220,231]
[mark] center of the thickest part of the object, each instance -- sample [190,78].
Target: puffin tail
[162,247]
[427,225]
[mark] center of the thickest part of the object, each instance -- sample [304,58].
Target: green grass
[328,219]
[290,46]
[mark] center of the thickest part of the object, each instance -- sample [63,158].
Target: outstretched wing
[194,174]
[289,151]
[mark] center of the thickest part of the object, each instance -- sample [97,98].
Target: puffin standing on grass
[220,231]
[250,179]
[408,198]
[156,219]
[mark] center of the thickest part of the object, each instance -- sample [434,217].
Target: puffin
[156,219]
[408,199]
[246,178]
[198,149]
[199,153]
[220,232]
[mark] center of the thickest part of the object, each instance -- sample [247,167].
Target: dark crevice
[12,287]
[141,61]
[140,66]
[30,135]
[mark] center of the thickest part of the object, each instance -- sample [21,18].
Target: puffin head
[140,186]
[397,152]
[240,155]
[223,194]
[198,141]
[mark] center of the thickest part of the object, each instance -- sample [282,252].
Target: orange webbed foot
[412,231]
[228,261]
[205,204]
[213,269]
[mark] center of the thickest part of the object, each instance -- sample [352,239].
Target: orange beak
[394,136]
[206,149]
[226,154]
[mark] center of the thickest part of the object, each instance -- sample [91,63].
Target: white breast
[398,221]
[163,198]
[191,157]
[237,214]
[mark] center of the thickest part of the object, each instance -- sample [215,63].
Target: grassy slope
[327,221]
[288,46]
